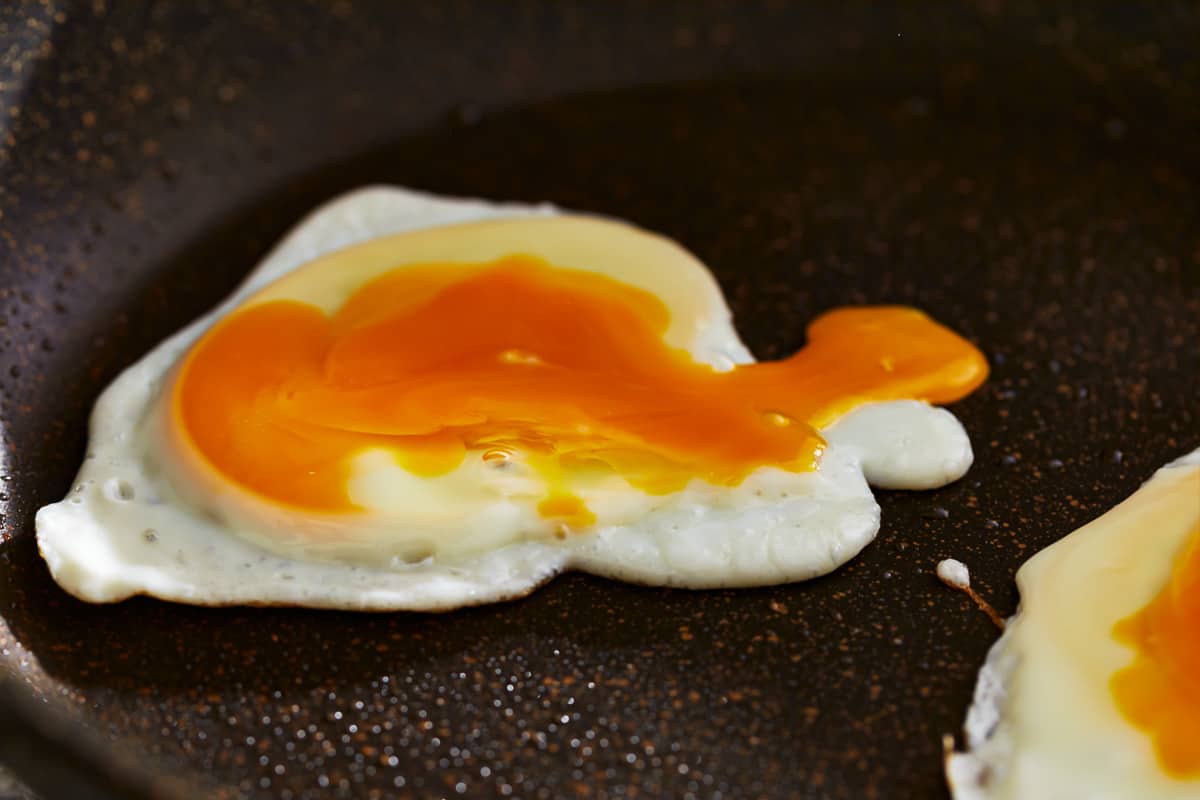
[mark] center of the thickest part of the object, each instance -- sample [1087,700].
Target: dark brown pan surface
[1027,175]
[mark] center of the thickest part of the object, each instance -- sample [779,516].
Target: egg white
[1043,722]
[123,530]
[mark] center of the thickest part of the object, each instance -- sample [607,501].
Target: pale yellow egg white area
[700,321]
[469,510]
[1044,723]
[126,528]
[477,507]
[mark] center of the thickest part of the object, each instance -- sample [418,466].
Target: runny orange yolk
[564,369]
[1160,691]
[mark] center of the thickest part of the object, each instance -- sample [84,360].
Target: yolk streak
[442,362]
[1160,691]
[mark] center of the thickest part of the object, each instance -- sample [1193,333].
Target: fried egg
[1093,691]
[425,403]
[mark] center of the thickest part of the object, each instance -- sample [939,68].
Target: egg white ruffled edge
[903,444]
[969,773]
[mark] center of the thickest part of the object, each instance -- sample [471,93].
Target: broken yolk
[438,363]
[1160,691]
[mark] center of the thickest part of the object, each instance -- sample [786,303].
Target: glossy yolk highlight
[1160,691]
[565,369]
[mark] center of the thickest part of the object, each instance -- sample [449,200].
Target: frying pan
[1025,172]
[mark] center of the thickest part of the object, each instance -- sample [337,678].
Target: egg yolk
[565,369]
[1160,691]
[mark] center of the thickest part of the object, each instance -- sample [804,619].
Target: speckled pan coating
[1027,174]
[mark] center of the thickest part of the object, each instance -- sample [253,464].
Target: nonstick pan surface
[1025,172]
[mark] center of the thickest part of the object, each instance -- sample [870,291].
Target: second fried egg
[1093,691]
